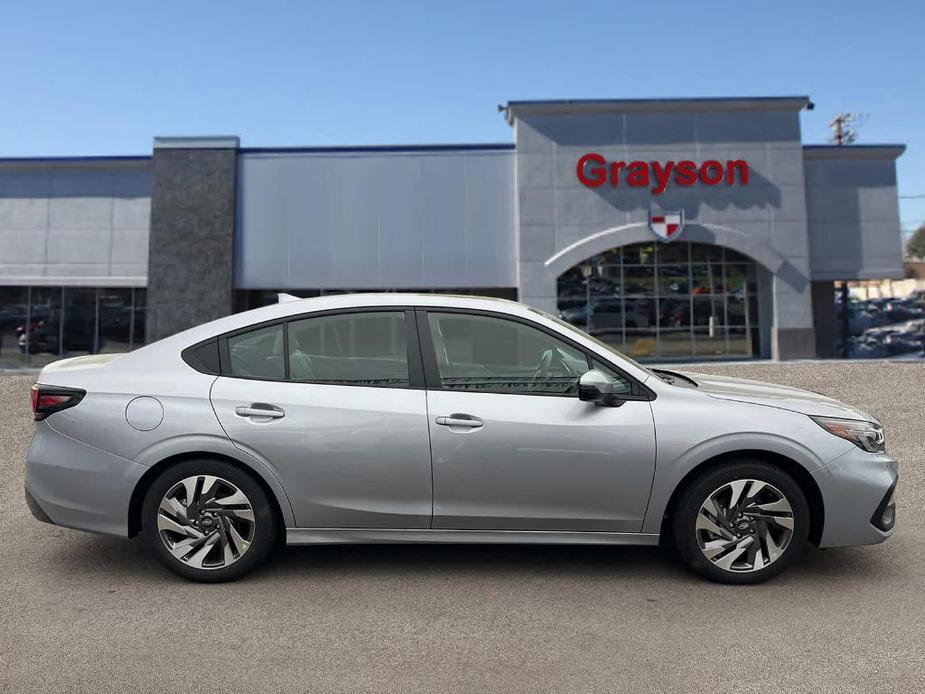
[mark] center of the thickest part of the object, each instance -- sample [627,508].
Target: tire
[731,523]
[231,514]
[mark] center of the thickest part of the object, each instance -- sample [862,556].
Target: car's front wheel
[208,520]
[742,522]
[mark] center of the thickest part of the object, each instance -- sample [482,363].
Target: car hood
[772,395]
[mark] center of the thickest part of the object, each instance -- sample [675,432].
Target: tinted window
[258,354]
[624,387]
[203,358]
[483,353]
[367,349]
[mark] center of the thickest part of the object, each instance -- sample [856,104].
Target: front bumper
[857,488]
[75,485]
[37,511]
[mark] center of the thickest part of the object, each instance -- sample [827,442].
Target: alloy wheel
[744,525]
[206,522]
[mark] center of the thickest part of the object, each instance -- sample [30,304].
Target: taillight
[47,400]
[21,330]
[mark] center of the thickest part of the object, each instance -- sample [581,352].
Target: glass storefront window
[115,325]
[732,256]
[709,343]
[41,342]
[674,313]
[673,279]
[668,300]
[79,335]
[735,279]
[703,253]
[14,310]
[640,313]
[39,325]
[706,278]
[639,254]
[614,256]
[674,253]
[736,311]
[638,280]
[708,311]
[674,343]
[740,344]
[139,312]
[609,274]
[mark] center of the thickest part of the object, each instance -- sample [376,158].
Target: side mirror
[594,386]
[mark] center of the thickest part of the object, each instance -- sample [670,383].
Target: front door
[335,416]
[513,447]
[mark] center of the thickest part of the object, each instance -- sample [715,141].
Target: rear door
[334,404]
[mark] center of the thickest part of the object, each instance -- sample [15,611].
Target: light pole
[586,274]
[845,320]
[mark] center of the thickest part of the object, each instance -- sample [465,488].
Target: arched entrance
[666,301]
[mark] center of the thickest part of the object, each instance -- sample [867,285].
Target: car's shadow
[131,560]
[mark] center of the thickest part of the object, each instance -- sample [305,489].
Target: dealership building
[673,229]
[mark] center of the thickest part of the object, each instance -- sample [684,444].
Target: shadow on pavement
[95,555]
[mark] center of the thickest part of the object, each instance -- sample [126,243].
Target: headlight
[865,435]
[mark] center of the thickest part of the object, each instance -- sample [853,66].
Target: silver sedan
[424,418]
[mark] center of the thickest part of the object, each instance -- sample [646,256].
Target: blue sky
[105,77]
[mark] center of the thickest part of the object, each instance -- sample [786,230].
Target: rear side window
[363,349]
[257,354]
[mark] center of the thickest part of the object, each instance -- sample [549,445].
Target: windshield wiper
[672,376]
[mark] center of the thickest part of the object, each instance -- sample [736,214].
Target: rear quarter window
[257,354]
[203,357]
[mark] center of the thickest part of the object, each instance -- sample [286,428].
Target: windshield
[585,335]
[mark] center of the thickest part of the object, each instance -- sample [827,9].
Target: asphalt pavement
[84,613]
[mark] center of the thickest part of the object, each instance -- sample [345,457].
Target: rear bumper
[74,485]
[856,489]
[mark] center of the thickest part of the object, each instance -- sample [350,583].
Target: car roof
[287,307]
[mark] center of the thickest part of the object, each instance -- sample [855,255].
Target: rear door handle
[259,409]
[460,420]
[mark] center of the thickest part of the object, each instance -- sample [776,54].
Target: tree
[915,247]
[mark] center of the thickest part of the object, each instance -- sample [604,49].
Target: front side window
[488,354]
[257,354]
[364,349]
[622,385]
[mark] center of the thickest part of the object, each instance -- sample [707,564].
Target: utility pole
[842,134]
[845,321]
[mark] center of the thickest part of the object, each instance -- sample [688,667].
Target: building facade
[676,229]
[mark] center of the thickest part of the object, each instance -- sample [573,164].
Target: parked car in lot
[883,327]
[426,418]
[44,332]
[607,314]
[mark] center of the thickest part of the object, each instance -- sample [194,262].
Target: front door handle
[259,409]
[460,420]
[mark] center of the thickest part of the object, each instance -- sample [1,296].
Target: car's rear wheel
[742,522]
[208,520]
